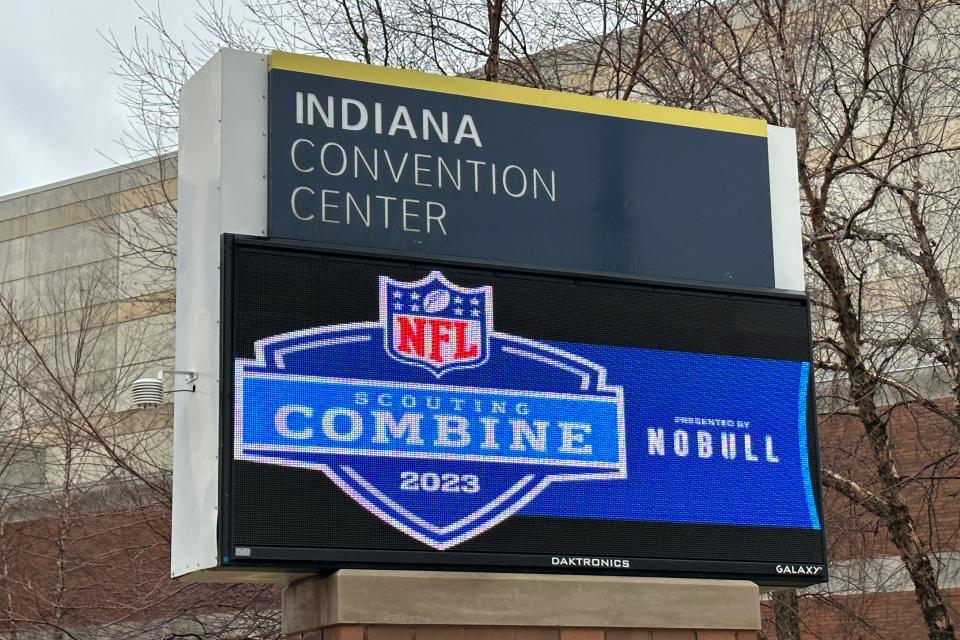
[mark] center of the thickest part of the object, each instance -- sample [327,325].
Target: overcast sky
[58,101]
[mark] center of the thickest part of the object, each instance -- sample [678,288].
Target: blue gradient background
[770,395]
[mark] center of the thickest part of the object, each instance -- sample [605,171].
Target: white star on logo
[458,311]
[475,301]
[398,306]
[475,313]
[414,307]
[414,296]
[458,300]
[397,294]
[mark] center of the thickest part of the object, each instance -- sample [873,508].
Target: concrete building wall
[86,304]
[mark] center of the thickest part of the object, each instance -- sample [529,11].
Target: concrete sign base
[418,604]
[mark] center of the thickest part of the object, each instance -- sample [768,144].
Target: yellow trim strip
[516,95]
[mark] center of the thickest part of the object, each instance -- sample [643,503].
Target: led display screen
[384,411]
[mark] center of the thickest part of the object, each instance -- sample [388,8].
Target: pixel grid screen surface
[387,411]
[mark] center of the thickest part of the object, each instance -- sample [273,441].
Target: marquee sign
[470,325]
[457,408]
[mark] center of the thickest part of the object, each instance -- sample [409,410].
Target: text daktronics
[593,563]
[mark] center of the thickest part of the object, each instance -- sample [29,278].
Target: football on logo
[436,301]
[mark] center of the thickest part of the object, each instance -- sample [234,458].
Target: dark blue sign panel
[375,158]
[445,422]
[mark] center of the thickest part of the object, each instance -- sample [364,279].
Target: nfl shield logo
[435,324]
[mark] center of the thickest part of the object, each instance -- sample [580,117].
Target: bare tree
[85,476]
[870,88]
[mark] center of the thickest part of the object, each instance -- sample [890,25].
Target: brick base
[430,632]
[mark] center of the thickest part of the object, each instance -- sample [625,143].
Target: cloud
[58,101]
